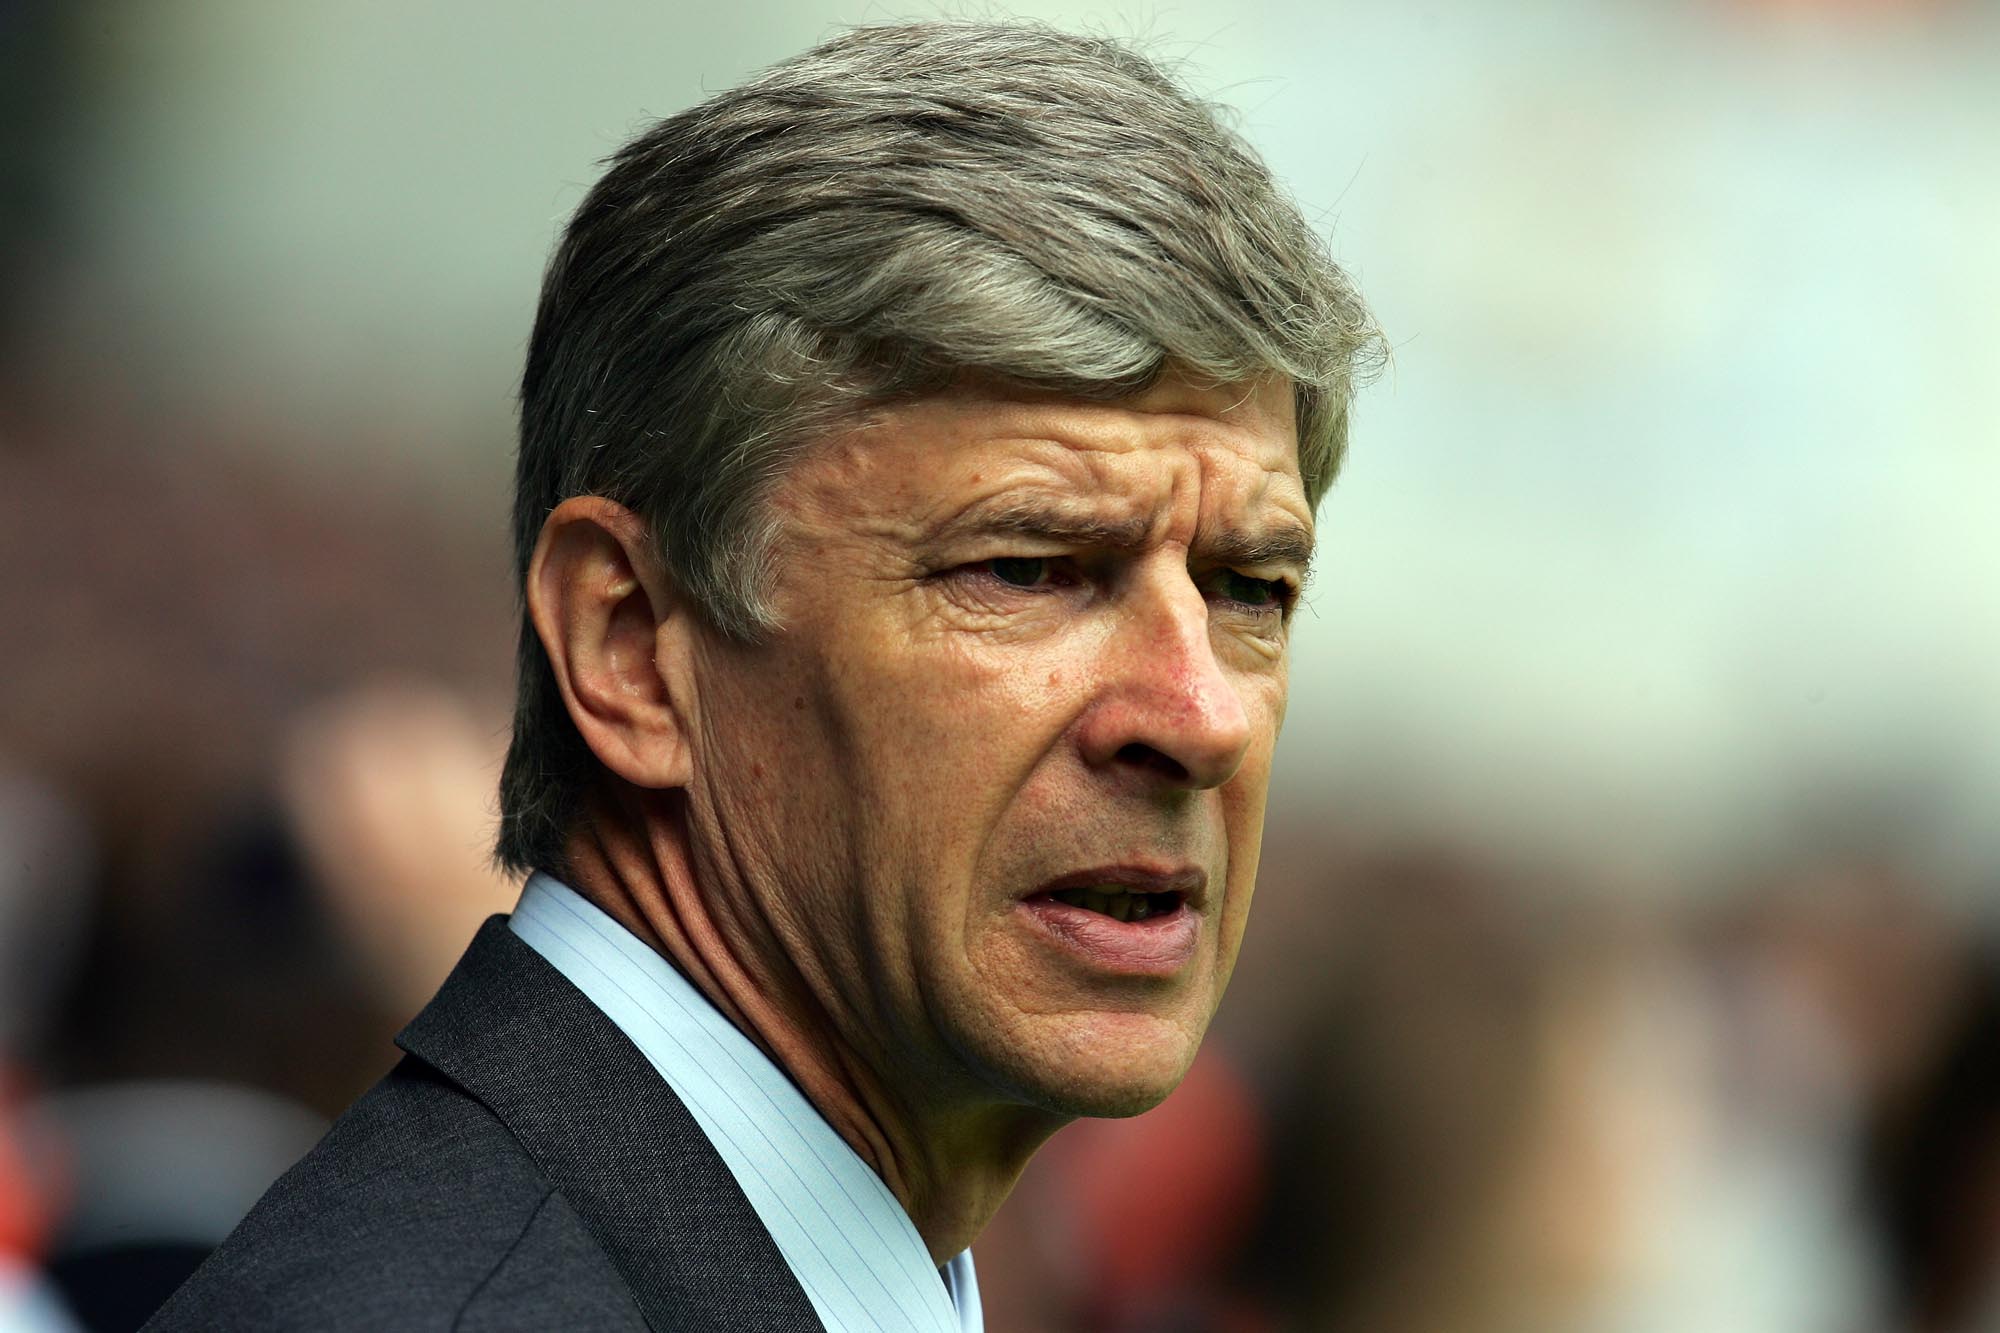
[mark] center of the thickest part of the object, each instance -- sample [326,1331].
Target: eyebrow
[1288,543]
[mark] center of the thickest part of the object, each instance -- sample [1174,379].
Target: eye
[1262,594]
[1021,571]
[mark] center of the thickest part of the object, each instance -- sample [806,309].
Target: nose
[1166,709]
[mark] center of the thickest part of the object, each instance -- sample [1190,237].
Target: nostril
[1146,757]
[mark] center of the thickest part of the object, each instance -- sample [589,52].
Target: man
[919,453]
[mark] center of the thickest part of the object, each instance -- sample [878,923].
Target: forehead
[1177,453]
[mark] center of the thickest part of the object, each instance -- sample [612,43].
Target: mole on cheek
[798,702]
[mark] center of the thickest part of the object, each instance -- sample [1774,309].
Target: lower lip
[1159,946]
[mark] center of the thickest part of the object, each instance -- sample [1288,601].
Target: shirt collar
[849,1242]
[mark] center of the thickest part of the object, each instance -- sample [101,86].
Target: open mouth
[1123,920]
[1117,902]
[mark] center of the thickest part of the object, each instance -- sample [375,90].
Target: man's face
[995,789]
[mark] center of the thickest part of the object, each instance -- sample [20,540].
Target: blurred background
[1624,957]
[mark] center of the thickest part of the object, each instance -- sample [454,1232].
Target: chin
[1109,1101]
[1107,1065]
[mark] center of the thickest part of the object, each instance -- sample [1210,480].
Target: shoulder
[419,1209]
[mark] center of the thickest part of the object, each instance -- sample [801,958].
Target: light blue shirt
[846,1238]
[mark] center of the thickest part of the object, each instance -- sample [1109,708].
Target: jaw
[1040,1025]
[1102,1063]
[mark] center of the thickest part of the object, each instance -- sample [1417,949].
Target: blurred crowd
[253,702]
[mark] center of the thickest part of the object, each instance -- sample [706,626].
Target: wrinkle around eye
[1233,597]
[971,596]
[1044,568]
[1257,594]
[1265,637]
[1052,574]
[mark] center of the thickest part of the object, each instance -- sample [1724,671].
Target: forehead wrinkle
[1082,474]
[1121,429]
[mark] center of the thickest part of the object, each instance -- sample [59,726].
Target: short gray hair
[860,225]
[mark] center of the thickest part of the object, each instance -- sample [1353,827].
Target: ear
[615,631]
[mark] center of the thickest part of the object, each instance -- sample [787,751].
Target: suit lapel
[612,1136]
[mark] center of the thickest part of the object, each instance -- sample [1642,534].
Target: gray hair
[860,225]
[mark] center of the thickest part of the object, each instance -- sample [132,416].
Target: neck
[951,1163]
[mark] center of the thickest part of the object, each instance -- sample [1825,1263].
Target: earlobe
[606,613]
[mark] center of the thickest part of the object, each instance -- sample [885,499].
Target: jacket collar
[611,1136]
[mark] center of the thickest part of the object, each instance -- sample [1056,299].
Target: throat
[948,1161]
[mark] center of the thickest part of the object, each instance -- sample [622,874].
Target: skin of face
[1022,637]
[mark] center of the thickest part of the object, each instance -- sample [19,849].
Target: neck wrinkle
[648,885]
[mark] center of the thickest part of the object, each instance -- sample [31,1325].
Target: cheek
[775,794]
[943,743]
[948,725]
[1244,802]
[1243,820]
[770,800]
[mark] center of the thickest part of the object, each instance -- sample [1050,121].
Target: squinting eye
[1250,592]
[1020,571]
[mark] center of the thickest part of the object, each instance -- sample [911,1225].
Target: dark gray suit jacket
[524,1167]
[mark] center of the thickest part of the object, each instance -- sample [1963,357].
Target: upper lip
[1190,882]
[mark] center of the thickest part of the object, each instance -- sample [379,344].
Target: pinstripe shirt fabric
[843,1234]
